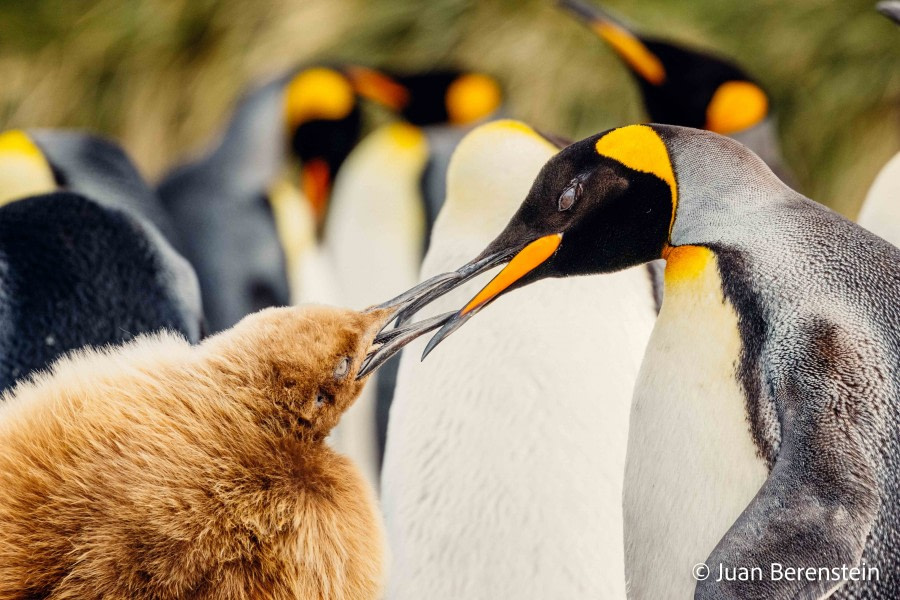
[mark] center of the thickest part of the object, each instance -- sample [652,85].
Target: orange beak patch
[379,88]
[632,51]
[527,260]
[315,181]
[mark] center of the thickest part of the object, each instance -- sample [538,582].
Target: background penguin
[37,161]
[453,96]
[385,200]
[681,86]
[489,491]
[890,9]
[246,228]
[227,204]
[880,212]
[77,273]
[40,161]
[763,426]
[83,273]
[95,503]
[99,169]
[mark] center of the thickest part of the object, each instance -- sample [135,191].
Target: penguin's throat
[686,264]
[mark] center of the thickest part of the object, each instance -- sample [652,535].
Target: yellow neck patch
[632,51]
[686,263]
[640,148]
[471,98]
[317,93]
[294,223]
[404,135]
[736,105]
[23,169]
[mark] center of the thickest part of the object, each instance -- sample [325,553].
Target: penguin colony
[724,395]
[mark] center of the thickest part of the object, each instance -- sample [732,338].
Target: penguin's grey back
[220,207]
[98,168]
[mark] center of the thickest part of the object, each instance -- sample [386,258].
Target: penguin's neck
[692,464]
[254,145]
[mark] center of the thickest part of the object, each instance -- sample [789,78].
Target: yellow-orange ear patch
[405,136]
[640,148]
[633,51]
[317,93]
[735,106]
[24,171]
[472,97]
[684,263]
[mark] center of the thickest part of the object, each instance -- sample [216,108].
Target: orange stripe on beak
[527,260]
[378,87]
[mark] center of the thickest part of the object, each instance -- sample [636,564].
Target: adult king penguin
[880,212]
[489,490]
[233,205]
[682,86]
[763,426]
[83,268]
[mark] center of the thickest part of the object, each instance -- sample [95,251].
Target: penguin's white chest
[691,466]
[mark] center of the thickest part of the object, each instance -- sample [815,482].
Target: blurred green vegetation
[162,75]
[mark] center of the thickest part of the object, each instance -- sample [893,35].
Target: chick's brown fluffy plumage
[161,470]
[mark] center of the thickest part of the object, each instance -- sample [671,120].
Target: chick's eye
[322,399]
[342,368]
[570,195]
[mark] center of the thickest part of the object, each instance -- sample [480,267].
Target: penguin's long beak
[388,343]
[520,261]
[378,87]
[621,38]
[524,262]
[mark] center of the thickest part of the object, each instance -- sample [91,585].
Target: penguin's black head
[680,86]
[602,204]
[324,124]
[433,97]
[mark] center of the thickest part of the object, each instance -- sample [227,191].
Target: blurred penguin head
[324,124]
[437,97]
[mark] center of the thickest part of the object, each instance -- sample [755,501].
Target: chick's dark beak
[388,342]
[524,262]
[521,262]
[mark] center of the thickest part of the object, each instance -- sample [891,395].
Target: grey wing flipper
[821,499]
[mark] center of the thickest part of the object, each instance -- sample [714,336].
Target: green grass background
[161,75]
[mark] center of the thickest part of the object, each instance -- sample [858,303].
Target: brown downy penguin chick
[163,470]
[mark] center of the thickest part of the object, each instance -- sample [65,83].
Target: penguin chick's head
[304,360]
[324,123]
[433,97]
[600,205]
[679,85]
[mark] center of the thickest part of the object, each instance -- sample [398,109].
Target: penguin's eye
[570,195]
[342,368]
